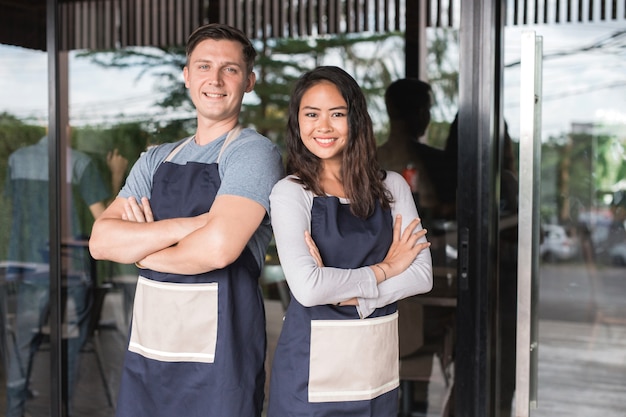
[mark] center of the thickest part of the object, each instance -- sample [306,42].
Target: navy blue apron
[197,343]
[328,361]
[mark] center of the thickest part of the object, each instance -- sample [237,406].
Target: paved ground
[582,368]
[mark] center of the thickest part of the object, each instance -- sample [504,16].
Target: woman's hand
[313,250]
[404,248]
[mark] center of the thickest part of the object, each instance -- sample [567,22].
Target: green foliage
[164,64]
[280,62]
[443,71]
[577,170]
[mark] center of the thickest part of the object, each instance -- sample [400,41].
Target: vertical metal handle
[528,232]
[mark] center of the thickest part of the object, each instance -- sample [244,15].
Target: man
[194,217]
[27,188]
[426,168]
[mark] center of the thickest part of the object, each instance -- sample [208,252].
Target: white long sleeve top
[290,209]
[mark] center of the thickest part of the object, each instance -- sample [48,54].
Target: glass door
[571,356]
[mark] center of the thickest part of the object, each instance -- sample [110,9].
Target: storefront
[529,269]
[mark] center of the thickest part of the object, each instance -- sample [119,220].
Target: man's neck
[208,132]
[400,137]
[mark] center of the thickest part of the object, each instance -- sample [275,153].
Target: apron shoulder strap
[177,149]
[232,135]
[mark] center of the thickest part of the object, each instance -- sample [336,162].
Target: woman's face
[323,121]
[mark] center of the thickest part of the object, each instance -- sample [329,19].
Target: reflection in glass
[582,313]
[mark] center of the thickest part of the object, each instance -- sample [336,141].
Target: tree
[369,58]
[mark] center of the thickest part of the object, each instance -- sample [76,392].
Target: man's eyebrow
[223,64]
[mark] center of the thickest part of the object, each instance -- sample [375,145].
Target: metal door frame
[480,127]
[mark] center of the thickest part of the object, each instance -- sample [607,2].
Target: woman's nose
[324,124]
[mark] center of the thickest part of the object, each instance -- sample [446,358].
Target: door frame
[481,129]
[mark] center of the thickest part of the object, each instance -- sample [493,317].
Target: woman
[345,259]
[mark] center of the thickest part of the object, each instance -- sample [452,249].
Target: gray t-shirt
[249,167]
[27,187]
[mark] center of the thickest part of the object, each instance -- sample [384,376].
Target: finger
[415,238]
[147,210]
[128,211]
[397,228]
[421,246]
[408,232]
[313,250]
[136,210]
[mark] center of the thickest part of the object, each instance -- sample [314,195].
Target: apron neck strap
[232,135]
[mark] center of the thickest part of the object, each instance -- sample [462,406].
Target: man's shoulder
[251,135]
[252,142]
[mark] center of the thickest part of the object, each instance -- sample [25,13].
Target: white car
[557,244]
[618,254]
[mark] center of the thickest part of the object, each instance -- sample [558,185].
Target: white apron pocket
[174,322]
[353,360]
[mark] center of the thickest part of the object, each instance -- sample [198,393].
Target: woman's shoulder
[289,189]
[396,184]
[289,184]
[394,179]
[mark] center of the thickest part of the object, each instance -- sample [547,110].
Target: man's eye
[231,69]
[203,67]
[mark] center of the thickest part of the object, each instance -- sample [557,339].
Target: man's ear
[251,82]
[186,75]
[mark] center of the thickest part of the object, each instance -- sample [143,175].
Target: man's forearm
[127,242]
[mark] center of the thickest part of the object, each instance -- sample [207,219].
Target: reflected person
[27,188]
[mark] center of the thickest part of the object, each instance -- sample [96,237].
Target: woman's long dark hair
[361,174]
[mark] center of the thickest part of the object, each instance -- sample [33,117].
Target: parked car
[618,254]
[557,244]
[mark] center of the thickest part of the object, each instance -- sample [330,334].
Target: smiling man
[193,216]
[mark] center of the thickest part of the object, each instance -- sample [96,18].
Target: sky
[578,87]
[95,92]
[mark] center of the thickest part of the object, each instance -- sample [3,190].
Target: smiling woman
[351,246]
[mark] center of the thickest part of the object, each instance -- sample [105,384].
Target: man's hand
[117,165]
[116,162]
[135,212]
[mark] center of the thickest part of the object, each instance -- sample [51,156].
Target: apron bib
[329,361]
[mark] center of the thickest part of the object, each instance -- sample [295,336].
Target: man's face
[217,79]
